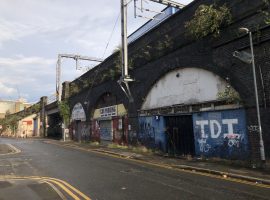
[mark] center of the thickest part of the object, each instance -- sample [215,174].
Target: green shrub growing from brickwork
[64,110]
[266,12]
[229,95]
[208,19]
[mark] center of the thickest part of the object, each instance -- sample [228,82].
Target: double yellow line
[63,185]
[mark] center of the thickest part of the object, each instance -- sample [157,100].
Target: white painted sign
[108,111]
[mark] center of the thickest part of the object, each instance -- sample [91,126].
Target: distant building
[9,106]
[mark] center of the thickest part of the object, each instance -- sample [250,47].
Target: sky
[34,32]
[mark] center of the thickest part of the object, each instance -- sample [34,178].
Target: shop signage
[108,111]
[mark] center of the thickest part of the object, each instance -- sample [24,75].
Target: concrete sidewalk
[27,189]
[211,166]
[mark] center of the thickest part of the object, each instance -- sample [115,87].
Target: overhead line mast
[58,69]
[125,78]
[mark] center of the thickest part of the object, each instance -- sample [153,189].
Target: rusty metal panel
[221,134]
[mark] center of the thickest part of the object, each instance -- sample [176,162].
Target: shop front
[110,124]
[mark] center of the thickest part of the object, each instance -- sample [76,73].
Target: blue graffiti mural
[152,132]
[221,134]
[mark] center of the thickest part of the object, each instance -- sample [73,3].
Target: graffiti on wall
[80,131]
[85,132]
[221,134]
[203,145]
[152,132]
[253,128]
[105,130]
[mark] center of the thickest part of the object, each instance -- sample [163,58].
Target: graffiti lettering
[147,131]
[221,134]
[215,127]
[202,123]
[233,139]
[253,128]
[204,147]
[230,123]
[214,123]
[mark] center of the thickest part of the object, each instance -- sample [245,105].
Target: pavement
[27,189]
[226,169]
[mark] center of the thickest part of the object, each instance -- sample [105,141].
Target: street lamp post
[262,153]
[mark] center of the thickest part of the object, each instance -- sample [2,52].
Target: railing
[52,99]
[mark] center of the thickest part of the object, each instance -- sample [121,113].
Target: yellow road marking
[65,189]
[167,166]
[69,189]
[56,190]
[74,189]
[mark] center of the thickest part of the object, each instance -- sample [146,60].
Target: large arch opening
[80,129]
[187,112]
[185,87]
[109,120]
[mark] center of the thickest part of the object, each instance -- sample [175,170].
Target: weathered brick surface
[212,54]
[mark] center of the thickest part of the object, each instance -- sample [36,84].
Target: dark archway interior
[54,129]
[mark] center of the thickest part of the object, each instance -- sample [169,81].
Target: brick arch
[114,91]
[106,99]
[199,54]
[153,80]
[78,115]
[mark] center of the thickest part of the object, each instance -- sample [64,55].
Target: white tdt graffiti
[215,132]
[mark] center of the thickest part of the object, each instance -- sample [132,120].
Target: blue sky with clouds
[34,32]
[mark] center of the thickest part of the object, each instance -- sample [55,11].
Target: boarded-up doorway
[180,136]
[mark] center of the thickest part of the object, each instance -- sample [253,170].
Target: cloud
[6,91]
[33,33]
[21,60]
[28,74]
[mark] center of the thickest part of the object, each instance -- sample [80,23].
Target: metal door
[105,130]
[180,134]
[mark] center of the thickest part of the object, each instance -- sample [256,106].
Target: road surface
[103,177]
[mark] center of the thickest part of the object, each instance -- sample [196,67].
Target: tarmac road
[104,177]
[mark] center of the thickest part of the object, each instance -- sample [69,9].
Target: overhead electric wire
[116,21]
[107,45]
